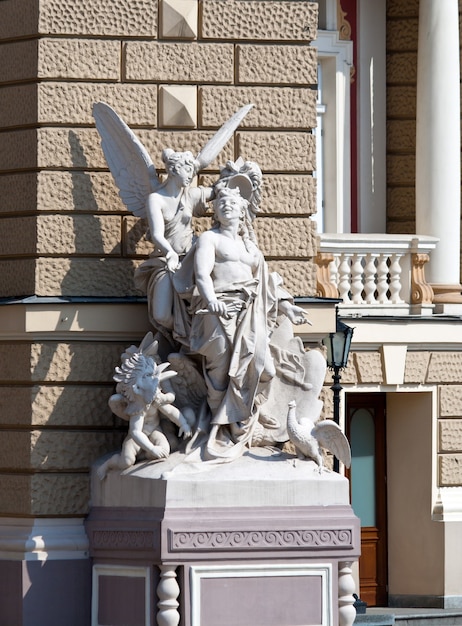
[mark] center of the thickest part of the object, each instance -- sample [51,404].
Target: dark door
[365,429]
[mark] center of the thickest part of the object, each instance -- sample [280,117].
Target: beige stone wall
[442,369]
[64,230]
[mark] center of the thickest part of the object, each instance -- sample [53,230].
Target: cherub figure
[141,400]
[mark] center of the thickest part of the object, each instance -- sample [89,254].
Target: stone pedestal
[265,540]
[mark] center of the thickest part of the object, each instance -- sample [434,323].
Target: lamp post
[338,348]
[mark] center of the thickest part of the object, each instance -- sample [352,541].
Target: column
[438,143]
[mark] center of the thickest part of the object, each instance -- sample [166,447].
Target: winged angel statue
[222,319]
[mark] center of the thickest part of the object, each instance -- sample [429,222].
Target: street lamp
[338,348]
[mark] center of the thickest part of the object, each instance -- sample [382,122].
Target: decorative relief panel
[123,539]
[188,541]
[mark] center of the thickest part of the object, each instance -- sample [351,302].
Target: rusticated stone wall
[402,36]
[422,368]
[64,230]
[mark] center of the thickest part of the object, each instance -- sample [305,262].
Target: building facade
[385,241]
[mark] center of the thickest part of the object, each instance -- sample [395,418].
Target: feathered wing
[188,386]
[331,437]
[130,164]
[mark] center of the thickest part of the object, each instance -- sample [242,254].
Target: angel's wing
[213,147]
[331,437]
[130,164]
[188,386]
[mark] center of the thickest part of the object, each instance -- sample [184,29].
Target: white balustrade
[376,274]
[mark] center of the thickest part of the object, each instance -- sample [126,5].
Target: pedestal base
[265,540]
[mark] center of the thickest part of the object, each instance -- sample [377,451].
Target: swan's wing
[213,147]
[130,164]
[331,437]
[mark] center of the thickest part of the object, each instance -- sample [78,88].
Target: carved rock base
[265,540]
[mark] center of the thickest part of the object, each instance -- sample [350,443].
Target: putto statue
[223,320]
[143,399]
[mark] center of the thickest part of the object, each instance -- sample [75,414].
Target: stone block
[299,276]
[327,397]
[179,19]
[401,202]
[369,367]
[134,237]
[401,136]
[19,59]
[402,68]
[445,367]
[416,367]
[450,397]
[55,450]
[17,236]
[275,107]
[179,62]
[18,192]
[83,59]
[401,101]
[81,191]
[15,492]
[352,374]
[401,227]
[59,494]
[288,194]
[19,150]
[401,169]
[450,470]
[402,35]
[125,18]
[79,234]
[80,148]
[87,362]
[71,103]
[61,450]
[279,152]
[273,20]
[93,277]
[18,277]
[273,64]
[397,8]
[53,362]
[450,435]
[285,237]
[178,106]
[18,105]
[19,18]
[52,405]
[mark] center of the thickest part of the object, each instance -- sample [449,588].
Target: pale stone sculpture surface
[142,398]
[222,319]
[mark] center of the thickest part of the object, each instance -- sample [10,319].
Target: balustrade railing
[376,274]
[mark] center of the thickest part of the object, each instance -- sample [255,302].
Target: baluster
[382,279]
[346,589]
[344,278]
[325,287]
[421,291]
[168,592]
[395,278]
[333,267]
[369,278]
[357,279]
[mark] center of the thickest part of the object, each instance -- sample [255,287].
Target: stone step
[410,617]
